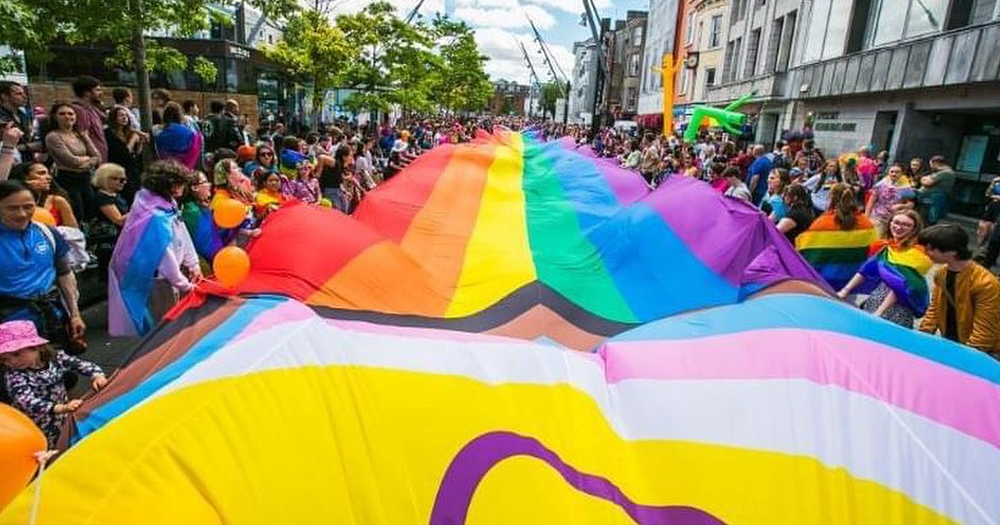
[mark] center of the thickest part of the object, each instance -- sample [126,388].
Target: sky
[501,24]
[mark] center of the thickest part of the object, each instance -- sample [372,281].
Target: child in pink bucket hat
[33,374]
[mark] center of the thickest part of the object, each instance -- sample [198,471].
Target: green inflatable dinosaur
[726,118]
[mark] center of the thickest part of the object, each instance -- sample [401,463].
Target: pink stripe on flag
[286,312]
[931,390]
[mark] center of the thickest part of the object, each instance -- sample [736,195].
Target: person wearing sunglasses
[110,212]
[264,160]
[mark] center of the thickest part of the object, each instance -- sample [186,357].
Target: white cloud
[570,6]
[403,7]
[499,26]
[507,61]
[506,18]
[509,4]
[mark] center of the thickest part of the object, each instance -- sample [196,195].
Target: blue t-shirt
[27,261]
[774,204]
[762,168]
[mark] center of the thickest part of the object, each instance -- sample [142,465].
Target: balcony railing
[962,56]
[767,87]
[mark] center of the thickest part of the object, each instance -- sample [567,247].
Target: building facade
[912,77]
[509,98]
[584,82]
[703,47]
[625,64]
[661,31]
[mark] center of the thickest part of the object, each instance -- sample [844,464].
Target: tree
[123,24]
[460,84]
[314,49]
[391,61]
[551,93]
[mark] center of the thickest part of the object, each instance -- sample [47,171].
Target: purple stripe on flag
[479,456]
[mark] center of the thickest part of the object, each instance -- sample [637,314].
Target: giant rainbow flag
[305,400]
[518,237]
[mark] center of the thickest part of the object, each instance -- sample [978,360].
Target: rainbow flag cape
[836,254]
[141,245]
[180,143]
[904,271]
[207,237]
[290,162]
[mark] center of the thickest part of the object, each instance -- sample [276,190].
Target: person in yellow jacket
[965,305]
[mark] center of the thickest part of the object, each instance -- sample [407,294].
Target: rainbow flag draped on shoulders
[903,270]
[141,245]
[835,253]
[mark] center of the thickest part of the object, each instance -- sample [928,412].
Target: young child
[34,376]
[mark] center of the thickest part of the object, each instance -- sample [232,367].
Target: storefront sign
[239,52]
[835,126]
[830,121]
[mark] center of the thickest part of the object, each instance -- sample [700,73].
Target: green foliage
[314,50]
[31,25]
[391,59]
[460,84]
[508,107]
[205,69]
[158,58]
[551,93]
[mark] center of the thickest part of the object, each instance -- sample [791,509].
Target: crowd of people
[866,224]
[83,186]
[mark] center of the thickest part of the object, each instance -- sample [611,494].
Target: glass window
[818,20]
[710,76]
[890,20]
[715,35]
[836,31]
[925,16]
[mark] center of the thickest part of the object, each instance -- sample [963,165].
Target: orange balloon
[229,213]
[231,265]
[44,216]
[20,439]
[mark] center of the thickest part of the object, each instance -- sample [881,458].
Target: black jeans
[81,192]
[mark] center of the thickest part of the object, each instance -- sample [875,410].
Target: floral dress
[36,391]
[896,313]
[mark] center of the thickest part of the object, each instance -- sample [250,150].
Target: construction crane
[414,12]
[535,82]
[560,78]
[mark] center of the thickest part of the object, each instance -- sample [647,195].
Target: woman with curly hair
[155,260]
